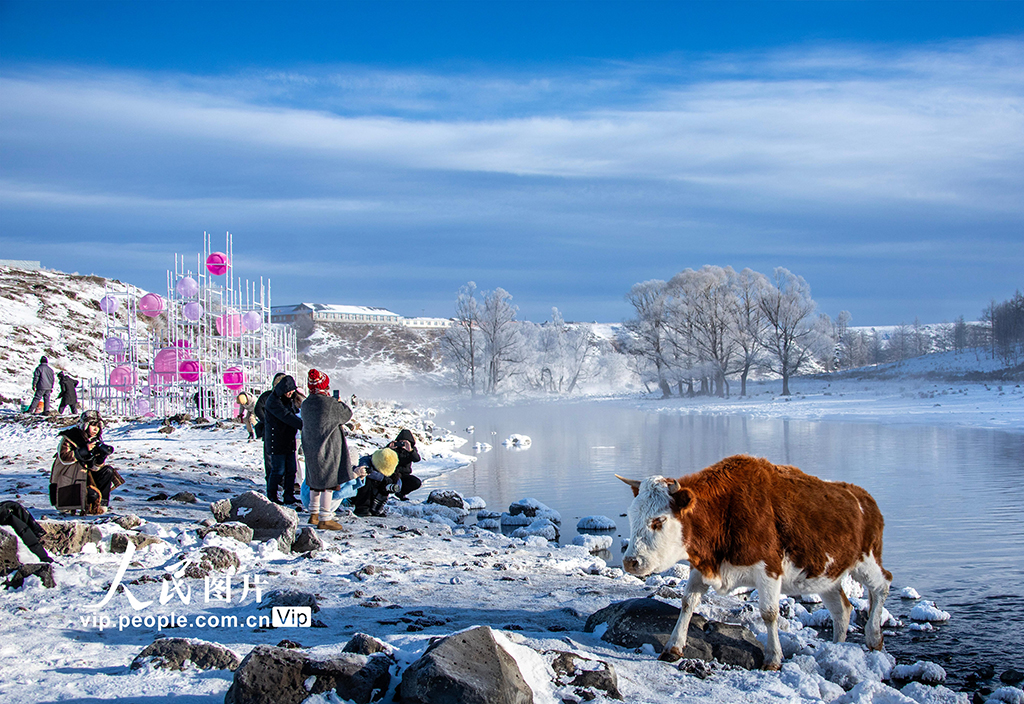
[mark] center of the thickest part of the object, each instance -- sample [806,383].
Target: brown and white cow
[745,522]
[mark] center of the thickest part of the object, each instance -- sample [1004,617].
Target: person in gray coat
[42,386]
[328,464]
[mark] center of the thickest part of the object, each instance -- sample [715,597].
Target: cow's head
[656,532]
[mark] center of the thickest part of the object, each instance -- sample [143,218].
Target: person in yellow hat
[381,482]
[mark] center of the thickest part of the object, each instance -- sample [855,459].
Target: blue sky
[386,153]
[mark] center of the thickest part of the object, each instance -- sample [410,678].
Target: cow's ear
[681,498]
[633,483]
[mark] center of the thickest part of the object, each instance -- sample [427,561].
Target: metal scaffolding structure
[208,340]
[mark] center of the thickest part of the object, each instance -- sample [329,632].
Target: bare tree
[704,306]
[787,307]
[750,322]
[461,344]
[501,336]
[648,328]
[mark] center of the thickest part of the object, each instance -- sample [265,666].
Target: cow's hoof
[670,655]
[772,666]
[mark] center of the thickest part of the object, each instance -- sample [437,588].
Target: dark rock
[185,497]
[43,570]
[307,541]
[212,559]
[234,529]
[637,622]
[9,561]
[289,597]
[68,537]
[269,521]
[290,644]
[270,675]
[166,429]
[1011,676]
[119,541]
[161,496]
[446,497]
[365,645]
[128,521]
[174,653]
[577,671]
[466,668]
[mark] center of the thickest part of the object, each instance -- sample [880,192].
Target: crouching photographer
[80,478]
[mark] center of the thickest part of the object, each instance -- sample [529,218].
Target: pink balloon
[165,364]
[190,370]
[217,263]
[109,305]
[151,305]
[192,311]
[123,378]
[229,325]
[187,287]
[234,378]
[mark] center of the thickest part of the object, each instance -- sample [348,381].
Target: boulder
[307,541]
[128,521]
[365,645]
[636,622]
[269,521]
[446,497]
[465,668]
[585,674]
[9,560]
[119,541]
[43,570]
[175,653]
[185,497]
[212,559]
[232,529]
[270,675]
[289,597]
[68,537]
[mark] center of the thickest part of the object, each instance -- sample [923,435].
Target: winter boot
[314,518]
[377,506]
[330,525]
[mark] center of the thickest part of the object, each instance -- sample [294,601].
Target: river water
[952,498]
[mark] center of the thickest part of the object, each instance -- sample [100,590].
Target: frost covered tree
[462,344]
[787,306]
[563,354]
[750,324]
[502,338]
[648,329]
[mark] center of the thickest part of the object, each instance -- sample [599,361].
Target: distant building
[352,315]
[21,264]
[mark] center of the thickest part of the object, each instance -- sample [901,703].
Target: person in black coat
[405,447]
[68,393]
[279,438]
[31,533]
[260,411]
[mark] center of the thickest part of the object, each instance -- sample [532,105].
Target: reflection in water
[951,497]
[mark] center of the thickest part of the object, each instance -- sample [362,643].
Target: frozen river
[951,497]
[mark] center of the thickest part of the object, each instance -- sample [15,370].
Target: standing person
[81,466]
[405,447]
[68,393]
[279,437]
[260,411]
[42,386]
[328,464]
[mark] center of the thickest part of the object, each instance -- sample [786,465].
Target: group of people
[284,411]
[43,380]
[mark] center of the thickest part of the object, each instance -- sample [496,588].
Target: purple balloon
[271,365]
[142,407]
[114,346]
[187,287]
[193,311]
[252,320]
[109,305]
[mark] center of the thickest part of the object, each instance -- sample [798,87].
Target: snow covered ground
[410,576]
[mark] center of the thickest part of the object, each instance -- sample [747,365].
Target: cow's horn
[635,483]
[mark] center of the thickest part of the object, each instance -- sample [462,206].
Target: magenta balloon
[109,305]
[217,263]
[190,370]
[123,378]
[151,305]
[114,346]
[229,325]
[184,344]
[192,311]
[187,287]
[234,378]
[252,320]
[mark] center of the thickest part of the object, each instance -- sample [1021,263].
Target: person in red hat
[328,464]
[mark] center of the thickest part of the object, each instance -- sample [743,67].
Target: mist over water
[951,498]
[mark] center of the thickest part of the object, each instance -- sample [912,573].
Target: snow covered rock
[119,541]
[232,529]
[470,666]
[269,521]
[921,671]
[517,441]
[178,653]
[272,675]
[212,559]
[593,543]
[539,526]
[366,645]
[847,664]
[289,597]
[1006,695]
[927,611]
[68,537]
[595,523]
[447,497]
[909,593]
[923,694]
[307,541]
[572,670]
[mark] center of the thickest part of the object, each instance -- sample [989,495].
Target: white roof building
[355,315]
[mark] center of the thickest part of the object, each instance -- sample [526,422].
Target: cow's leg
[769,590]
[840,608]
[870,574]
[695,589]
